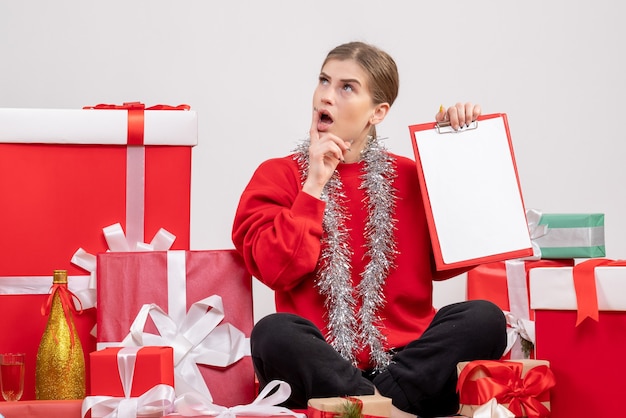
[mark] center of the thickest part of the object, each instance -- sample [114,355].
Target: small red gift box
[65,174]
[585,358]
[522,386]
[153,366]
[371,406]
[180,288]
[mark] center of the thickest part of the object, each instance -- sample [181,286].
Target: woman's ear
[380,111]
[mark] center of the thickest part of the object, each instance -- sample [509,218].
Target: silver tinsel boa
[349,331]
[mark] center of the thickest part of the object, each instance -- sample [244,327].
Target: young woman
[338,231]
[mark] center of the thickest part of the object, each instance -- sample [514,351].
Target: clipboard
[471,192]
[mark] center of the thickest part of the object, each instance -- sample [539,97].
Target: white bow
[197,339]
[193,404]
[116,241]
[492,409]
[518,327]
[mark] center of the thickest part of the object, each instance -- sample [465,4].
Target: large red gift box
[587,359]
[153,366]
[65,174]
[176,282]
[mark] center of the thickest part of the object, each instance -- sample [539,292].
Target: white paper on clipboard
[470,183]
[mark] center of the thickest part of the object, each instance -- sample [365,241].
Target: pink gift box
[128,281]
[586,359]
[64,176]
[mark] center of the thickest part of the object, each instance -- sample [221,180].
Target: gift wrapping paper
[522,386]
[585,358]
[128,283]
[65,174]
[372,406]
[153,366]
[572,235]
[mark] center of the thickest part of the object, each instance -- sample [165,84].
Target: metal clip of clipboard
[445,128]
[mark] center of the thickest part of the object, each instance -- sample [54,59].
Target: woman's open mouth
[325,120]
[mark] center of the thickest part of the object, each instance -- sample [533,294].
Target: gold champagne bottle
[60,369]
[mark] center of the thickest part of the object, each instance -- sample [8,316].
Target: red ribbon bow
[503,380]
[65,296]
[136,117]
[585,287]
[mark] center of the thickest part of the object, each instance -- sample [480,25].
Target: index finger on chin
[313,132]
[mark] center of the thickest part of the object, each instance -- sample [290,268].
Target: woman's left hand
[461,114]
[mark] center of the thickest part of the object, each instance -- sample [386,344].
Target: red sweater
[278,227]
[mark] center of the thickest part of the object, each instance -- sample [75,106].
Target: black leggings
[421,378]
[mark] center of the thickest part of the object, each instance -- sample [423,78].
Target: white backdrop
[249,68]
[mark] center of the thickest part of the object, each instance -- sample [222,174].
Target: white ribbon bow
[518,327]
[536,231]
[196,339]
[117,242]
[492,409]
[191,404]
[159,399]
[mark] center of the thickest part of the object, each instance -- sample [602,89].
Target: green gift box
[572,235]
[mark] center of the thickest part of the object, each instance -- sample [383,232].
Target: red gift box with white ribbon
[65,174]
[198,302]
[130,382]
[580,318]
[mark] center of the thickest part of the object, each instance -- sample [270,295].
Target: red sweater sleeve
[277,227]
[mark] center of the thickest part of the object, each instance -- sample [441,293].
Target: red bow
[503,380]
[65,296]
[135,117]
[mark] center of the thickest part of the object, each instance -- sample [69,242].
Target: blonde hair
[384,80]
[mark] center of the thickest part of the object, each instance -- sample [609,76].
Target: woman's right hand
[325,153]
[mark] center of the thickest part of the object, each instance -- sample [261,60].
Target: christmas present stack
[198,302]
[557,240]
[65,176]
[580,315]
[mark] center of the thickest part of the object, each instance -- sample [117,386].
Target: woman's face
[343,100]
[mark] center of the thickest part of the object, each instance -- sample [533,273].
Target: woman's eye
[348,87]
[323,80]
